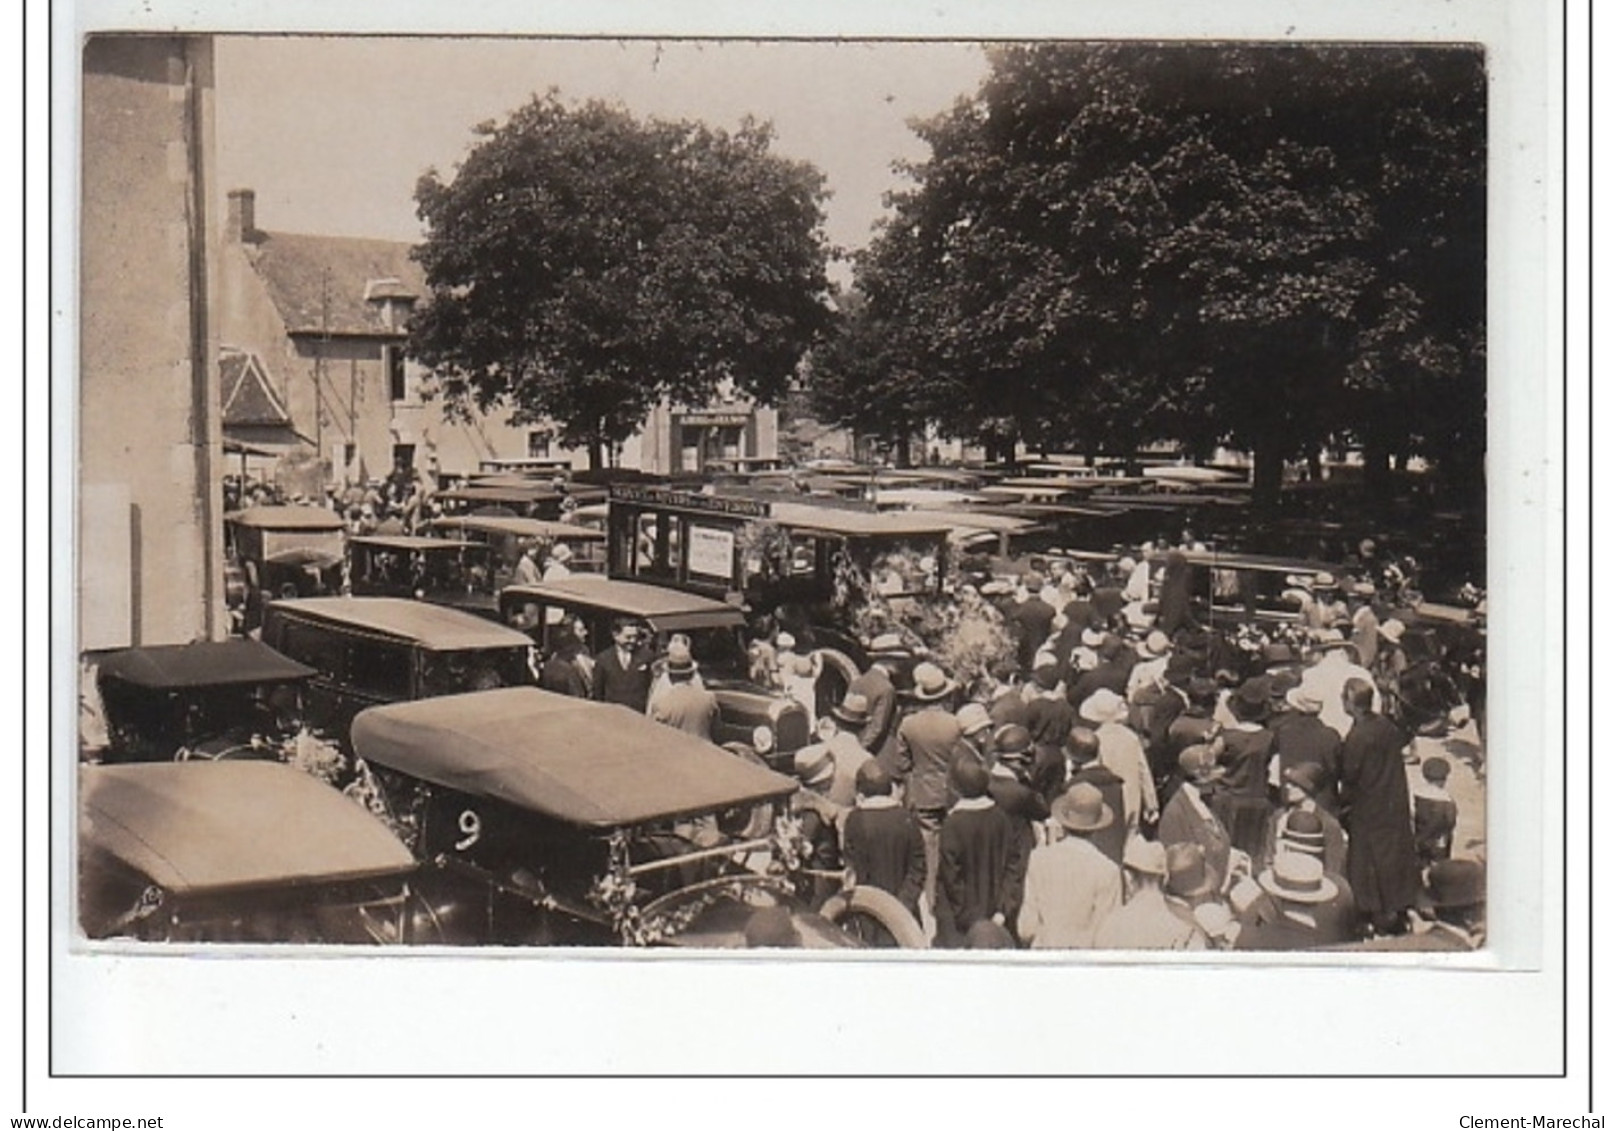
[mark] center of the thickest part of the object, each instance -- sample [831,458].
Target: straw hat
[931,683]
[973,719]
[1304,699]
[1298,878]
[1147,856]
[1104,706]
[853,709]
[814,765]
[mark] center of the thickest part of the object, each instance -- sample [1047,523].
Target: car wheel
[876,918]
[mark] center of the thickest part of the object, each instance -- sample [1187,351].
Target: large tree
[583,264]
[1269,246]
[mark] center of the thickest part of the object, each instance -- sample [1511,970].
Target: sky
[332,133]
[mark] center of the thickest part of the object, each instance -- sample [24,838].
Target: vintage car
[280,552]
[505,535]
[1235,589]
[237,852]
[370,650]
[716,640]
[212,699]
[444,571]
[550,820]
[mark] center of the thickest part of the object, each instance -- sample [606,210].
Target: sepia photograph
[1032,500]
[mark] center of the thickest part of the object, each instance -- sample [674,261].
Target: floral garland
[615,892]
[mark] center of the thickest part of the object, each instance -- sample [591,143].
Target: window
[538,445]
[397,385]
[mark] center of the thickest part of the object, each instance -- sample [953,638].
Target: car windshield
[719,651]
[451,673]
[321,541]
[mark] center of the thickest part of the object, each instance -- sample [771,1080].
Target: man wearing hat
[1327,678]
[1381,862]
[1114,663]
[886,655]
[1048,716]
[1009,783]
[881,841]
[1071,887]
[981,862]
[1029,620]
[1155,706]
[847,719]
[820,817]
[683,704]
[1190,817]
[1293,824]
[927,743]
[1082,753]
[976,728]
[1454,894]
[1123,754]
[1306,740]
[1145,922]
[1150,670]
[1297,909]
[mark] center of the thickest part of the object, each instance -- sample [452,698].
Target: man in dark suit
[927,743]
[622,673]
[886,655]
[1381,862]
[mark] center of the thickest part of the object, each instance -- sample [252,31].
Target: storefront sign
[712,552]
[688,501]
[715,419]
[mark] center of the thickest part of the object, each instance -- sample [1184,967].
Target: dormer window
[393,299]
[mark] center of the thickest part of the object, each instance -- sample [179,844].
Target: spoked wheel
[876,919]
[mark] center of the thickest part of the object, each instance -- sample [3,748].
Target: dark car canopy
[287,518]
[431,626]
[194,827]
[574,760]
[665,609]
[215,663]
[537,528]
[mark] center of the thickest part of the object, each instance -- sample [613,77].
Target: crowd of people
[1114,784]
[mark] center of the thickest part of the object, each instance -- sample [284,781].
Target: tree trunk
[1376,470]
[900,450]
[1315,466]
[1267,477]
[597,454]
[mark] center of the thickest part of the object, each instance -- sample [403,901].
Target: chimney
[242,217]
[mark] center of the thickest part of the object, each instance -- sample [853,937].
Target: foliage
[583,264]
[1112,244]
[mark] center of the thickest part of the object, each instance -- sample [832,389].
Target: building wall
[248,320]
[149,548]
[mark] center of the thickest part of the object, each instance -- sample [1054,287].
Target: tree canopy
[583,264]
[1269,246]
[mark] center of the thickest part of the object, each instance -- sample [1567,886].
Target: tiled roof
[245,394]
[319,284]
